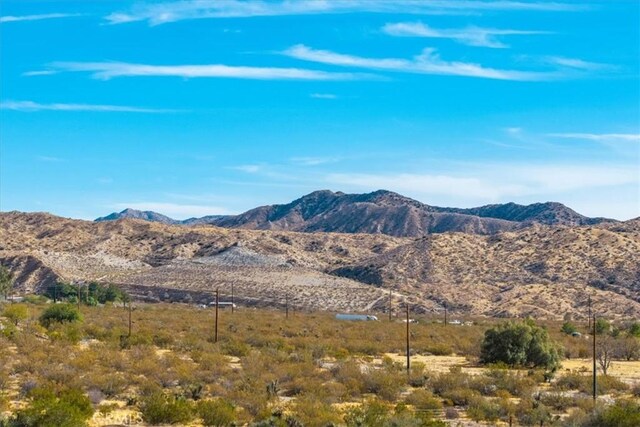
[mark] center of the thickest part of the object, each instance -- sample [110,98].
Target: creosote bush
[59,313]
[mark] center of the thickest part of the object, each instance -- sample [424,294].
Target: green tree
[634,329]
[569,328]
[520,344]
[6,281]
[16,313]
[602,326]
[59,313]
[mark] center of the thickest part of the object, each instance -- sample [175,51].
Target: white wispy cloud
[160,13]
[30,106]
[323,96]
[10,18]
[471,36]
[577,64]
[600,137]
[108,70]
[313,161]
[498,182]
[428,62]
[174,210]
[248,168]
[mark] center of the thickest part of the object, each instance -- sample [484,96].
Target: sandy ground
[627,371]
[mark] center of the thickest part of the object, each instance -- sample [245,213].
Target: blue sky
[214,107]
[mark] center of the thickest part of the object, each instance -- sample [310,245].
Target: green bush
[158,408]
[520,344]
[16,313]
[623,413]
[569,328]
[48,408]
[371,413]
[59,313]
[216,413]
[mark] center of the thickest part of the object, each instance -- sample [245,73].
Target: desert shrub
[520,344]
[532,413]
[572,381]
[371,413]
[158,408]
[216,412]
[557,401]
[608,384]
[384,382]
[16,313]
[481,409]
[59,313]
[623,413]
[350,375]
[512,382]
[423,400]
[460,396]
[635,389]
[313,412]
[51,408]
[440,349]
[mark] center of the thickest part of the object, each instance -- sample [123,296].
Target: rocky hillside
[381,212]
[550,213]
[157,217]
[541,270]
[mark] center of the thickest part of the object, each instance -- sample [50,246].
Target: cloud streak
[497,183]
[428,62]
[161,13]
[9,18]
[471,36]
[599,137]
[108,70]
[30,106]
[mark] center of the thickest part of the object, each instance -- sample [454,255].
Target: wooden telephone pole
[595,378]
[408,343]
[215,336]
[130,310]
[445,313]
[232,303]
[589,315]
[78,290]
[286,305]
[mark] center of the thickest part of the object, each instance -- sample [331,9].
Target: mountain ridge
[541,271]
[382,212]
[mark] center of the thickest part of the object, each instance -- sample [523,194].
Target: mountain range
[380,212]
[532,269]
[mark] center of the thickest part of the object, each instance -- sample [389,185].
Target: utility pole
[286,305]
[595,378]
[215,337]
[445,313]
[78,290]
[130,309]
[589,316]
[232,303]
[408,354]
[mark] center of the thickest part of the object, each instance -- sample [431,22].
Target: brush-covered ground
[307,369]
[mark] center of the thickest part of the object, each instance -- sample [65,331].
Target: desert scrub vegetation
[265,369]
